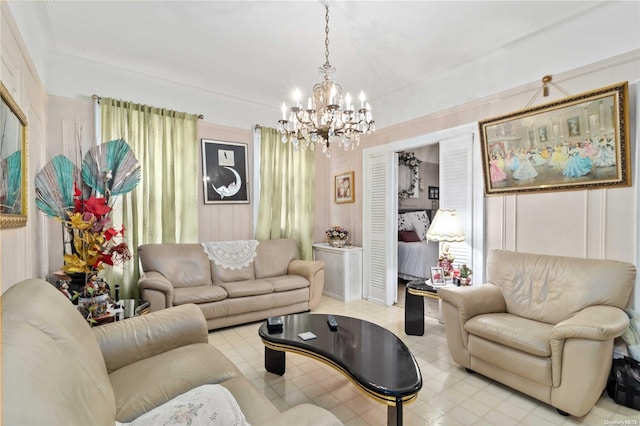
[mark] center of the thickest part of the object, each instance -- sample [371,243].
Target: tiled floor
[449,395]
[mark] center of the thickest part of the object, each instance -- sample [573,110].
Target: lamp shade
[446,227]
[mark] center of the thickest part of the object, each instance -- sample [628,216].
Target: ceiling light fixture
[329,118]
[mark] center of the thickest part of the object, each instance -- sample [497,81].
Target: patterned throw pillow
[420,222]
[206,405]
[404,224]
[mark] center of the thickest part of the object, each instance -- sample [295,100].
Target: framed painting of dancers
[575,143]
[225,172]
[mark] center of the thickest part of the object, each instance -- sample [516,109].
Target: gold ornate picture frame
[13,162]
[579,142]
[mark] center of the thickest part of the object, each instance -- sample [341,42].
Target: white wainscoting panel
[21,249]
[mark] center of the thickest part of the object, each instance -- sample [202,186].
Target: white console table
[342,271]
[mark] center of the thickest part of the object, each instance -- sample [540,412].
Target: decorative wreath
[410,160]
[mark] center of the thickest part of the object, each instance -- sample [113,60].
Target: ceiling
[259,51]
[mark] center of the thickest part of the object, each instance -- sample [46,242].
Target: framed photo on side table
[344,191]
[437,276]
[225,175]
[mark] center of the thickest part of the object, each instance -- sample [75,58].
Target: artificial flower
[410,160]
[73,264]
[77,221]
[337,232]
[84,206]
[95,243]
[96,206]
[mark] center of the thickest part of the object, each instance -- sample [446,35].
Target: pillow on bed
[408,236]
[404,224]
[420,222]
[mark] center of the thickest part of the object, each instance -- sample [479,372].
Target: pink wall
[576,81]
[350,215]
[327,212]
[64,118]
[235,221]
[224,222]
[217,222]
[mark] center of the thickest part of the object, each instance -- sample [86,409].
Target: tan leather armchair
[543,325]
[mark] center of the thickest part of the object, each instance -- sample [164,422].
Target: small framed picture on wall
[434,192]
[344,188]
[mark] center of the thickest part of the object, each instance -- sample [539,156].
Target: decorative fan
[111,168]
[54,187]
[66,192]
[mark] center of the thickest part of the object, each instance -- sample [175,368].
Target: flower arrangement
[95,242]
[410,160]
[337,236]
[337,232]
[82,200]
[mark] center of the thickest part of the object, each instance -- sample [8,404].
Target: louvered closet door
[456,190]
[379,259]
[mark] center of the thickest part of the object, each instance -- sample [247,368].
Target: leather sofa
[275,283]
[543,325]
[57,370]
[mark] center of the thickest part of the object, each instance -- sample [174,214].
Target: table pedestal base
[394,414]
[274,361]
[413,314]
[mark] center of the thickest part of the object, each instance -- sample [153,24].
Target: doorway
[418,189]
[459,157]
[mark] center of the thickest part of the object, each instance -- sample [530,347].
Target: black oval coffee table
[372,357]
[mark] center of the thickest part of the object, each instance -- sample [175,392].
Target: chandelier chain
[326,37]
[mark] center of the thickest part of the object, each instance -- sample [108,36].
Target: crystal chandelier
[329,118]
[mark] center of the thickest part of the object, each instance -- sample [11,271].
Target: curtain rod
[96,97]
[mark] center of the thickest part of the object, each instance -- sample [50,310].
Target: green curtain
[287,178]
[163,208]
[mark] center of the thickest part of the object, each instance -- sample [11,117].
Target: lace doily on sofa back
[231,254]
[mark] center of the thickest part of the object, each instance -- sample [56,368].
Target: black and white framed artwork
[226,177]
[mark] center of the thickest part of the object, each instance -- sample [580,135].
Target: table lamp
[446,227]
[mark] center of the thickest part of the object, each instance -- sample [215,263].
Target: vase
[94,306]
[76,282]
[337,242]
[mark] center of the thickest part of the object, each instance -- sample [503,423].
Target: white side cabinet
[342,271]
